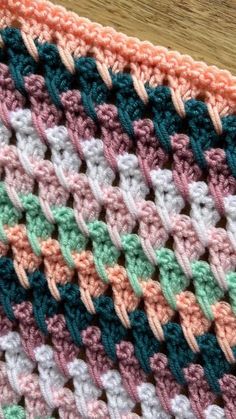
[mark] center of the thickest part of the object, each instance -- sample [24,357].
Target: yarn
[117,224]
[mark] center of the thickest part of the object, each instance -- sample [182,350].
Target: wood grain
[205,29]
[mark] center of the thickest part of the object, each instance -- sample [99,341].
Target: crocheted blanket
[117,224]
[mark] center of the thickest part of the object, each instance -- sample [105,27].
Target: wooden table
[205,29]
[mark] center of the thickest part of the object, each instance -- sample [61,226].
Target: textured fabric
[117,224]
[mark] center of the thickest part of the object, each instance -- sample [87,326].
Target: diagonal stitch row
[115,140]
[64,359]
[76,36]
[64,230]
[129,106]
[55,366]
[217,193]
[112,331]
[202,228]
[32,345]
[58,269]
[230,232]
[170,300]
[221,184]
[55,325]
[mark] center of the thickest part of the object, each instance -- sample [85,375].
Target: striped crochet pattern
[117,224]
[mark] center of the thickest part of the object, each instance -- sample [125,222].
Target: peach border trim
[146,62]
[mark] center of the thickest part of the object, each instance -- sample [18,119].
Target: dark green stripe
[77,318]
[197,124]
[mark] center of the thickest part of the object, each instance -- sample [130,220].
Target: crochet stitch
[117,224]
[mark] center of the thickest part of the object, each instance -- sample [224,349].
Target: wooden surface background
[205,29]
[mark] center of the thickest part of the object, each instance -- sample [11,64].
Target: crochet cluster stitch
[117,224]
